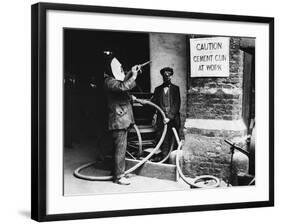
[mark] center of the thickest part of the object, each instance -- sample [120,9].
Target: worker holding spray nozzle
[117,83]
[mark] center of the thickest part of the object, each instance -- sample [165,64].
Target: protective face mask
[117,70]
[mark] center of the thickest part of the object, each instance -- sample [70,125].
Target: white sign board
[209,57]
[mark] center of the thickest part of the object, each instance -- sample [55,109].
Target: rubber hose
[86,177]
[167,156]
[188,180]
[161,140]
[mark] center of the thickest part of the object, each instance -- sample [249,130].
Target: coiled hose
[193,182]
[87,177]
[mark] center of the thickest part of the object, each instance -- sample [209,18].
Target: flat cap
[168,69]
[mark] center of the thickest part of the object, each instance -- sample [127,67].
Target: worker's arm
[121,86]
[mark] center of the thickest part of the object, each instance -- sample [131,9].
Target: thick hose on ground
[102,178]
[192,181]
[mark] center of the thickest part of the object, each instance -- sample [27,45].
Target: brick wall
[218,98]
[214,113]
[206,153]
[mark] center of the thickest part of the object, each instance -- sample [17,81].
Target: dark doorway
[248,112]
[84,102]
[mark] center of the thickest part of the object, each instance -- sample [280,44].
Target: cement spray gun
[139,67]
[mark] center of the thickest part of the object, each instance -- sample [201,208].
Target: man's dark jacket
[175,103]
[120,112]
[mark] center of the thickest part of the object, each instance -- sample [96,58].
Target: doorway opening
[248,111]
[85,115]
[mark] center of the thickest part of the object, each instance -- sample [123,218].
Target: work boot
[122,181]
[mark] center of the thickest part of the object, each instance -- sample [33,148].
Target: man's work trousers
[119,149]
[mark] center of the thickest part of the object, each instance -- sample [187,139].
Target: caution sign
[209,57]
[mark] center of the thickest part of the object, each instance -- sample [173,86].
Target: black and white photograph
[157,111]
[140,112]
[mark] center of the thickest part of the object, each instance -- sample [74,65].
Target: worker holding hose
[117,84]
[120,112]
[167,97]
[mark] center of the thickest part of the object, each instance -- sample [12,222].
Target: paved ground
[84,153]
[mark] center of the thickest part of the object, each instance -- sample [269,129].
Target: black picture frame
[39,122]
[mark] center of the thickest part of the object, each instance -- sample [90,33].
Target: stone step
[155,170]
